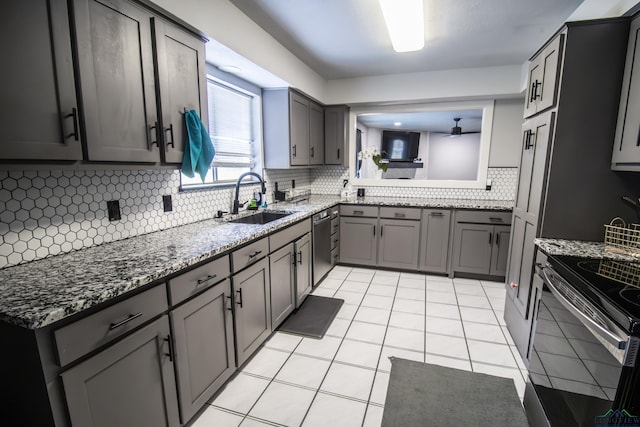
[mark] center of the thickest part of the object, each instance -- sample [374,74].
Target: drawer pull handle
[494,219]
[125,321]
[230,307]
[170,342]
[239,302]
[254,254]
[497,239]
[490,238]
[358,212]
[436,214]
[300,257]
[206,279]
[400,215]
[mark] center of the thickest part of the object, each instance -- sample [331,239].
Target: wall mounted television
[400,146]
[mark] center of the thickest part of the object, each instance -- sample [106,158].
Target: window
[234,127]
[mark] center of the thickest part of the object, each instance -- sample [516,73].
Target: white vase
[378,173]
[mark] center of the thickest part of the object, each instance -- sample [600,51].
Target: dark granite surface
[579,248]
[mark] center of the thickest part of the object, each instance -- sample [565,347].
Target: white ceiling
[431,121]
[348,38]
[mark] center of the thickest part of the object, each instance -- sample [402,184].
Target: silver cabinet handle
[125,321]
[206,279]
[436,214]
[254,254]
[400,215]
[358,212]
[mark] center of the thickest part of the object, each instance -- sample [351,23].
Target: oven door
[577,357]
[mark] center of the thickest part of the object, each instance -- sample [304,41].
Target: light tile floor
[342,379]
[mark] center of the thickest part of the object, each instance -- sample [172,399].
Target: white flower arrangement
[375,155]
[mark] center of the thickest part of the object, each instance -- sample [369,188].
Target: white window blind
[230,126]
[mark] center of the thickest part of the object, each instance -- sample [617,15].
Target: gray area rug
[313,317]
[421,394]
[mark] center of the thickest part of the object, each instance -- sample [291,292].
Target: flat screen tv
[400,146]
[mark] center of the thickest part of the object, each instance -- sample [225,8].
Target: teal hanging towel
[198,148]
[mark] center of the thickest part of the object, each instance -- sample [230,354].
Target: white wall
[506,133]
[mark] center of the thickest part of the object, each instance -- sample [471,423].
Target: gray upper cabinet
[181,73]
[115,59]
[336,138]
[434,240]
[38,83]
[543,78]
[205,357]
[293,128]
[283,297]
[626,148]
[252,308]
[131,383]
[398,243]
[358,241]
[303,268]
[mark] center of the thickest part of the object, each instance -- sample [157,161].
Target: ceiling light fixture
[405,23]
[232,69]
[397,123]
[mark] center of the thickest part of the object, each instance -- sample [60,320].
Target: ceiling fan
[456,130]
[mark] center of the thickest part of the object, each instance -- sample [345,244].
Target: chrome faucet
[236,201]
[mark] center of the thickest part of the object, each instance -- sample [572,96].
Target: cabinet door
[252,309]
[520,270]
[534,79]
[115,59]
[203,331]
[299,130]
[40,116]
[434,240]
[131,383]
[303,268]
[335,134]
[500,250]
[398,244]
[358,240]
[183,85]
[626,149]
[472,248]
[316,134]
[283,297]
[550,63]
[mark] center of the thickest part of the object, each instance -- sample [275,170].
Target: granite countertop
[580,249]
[39,293]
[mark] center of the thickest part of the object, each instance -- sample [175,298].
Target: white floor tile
[323,292]
[338,274]
[334,411]
[492,284]
[349,381]
[266,363]
[283,404]
[400,319]
[477,301]
[435,278]
[241,393]
[440,286]
[388,273]
[446,346]
[354,286]
[404,338]
[494,292]
[373,315]
[353,298]
[410,293]
[416,276]
[304,370]
[214,417]
[500,317]
[443,326]
[379,390]
[381,290]
[360,276]
[385,280]
[464,288]
[330,283]
[507,335]
[408,306]
[376,301]
[463,281]
[441,297]
[387,352]
[411,283]
[484,332]
[373,418]
[347,311]
[448,362]
[494,354]
[325,348]
[368,332]
[250,422]
[282,341]
[442,310]
[338,328]
[359,353]
[480,315]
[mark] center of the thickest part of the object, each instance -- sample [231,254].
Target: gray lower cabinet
[434,240]
[204,348]
[283,292]
[38,87]
[358,242]
[252,308]
[303,268]
[131,383]
[398,243]
[500,250]
[481,248]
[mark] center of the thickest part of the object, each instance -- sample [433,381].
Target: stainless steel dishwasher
[321,245]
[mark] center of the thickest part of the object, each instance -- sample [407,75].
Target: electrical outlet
[167,204]
[488,186]
[113,210]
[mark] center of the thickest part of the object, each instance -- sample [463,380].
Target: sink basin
[261,217]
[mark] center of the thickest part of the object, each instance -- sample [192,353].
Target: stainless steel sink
[261,217]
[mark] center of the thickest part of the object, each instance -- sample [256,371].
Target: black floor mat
[313,318]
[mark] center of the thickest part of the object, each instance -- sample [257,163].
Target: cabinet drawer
[400,213]
[335,225]
[251,253]
[351,210]
[484,217]
[335,241]
[289,234]
[85,335]
[334,256]
[197,280]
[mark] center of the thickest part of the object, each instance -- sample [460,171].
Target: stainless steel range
[584,368]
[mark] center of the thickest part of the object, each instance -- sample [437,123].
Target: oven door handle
[611,338]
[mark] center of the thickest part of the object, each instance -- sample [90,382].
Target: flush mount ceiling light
[405,23]
[397,123]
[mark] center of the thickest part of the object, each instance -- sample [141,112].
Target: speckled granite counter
[580,249]
[42,292]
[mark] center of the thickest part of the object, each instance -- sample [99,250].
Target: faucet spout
[236,201]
